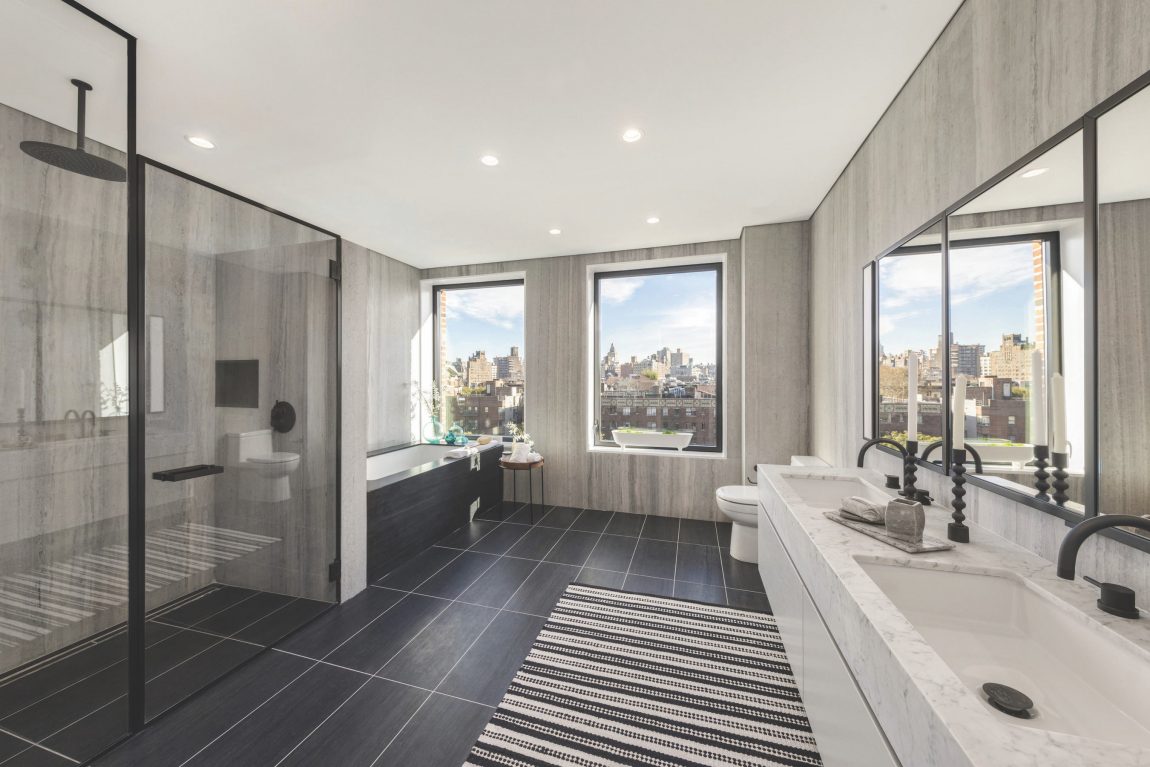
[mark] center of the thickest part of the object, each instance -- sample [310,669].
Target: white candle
[958,426]
[912,398]
[1057,414]
[1037,399]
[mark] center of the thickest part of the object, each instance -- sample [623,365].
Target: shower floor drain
[1008,700]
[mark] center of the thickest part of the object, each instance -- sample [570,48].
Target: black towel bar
[187,472]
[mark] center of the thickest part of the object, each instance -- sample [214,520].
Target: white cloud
[975,273]
[616,290]
[499,306]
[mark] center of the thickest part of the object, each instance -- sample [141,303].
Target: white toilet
[740,504]
[263,473]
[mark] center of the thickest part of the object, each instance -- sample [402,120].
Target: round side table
[528,466]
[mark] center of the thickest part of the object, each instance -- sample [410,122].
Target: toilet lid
[273,458]
[747,495]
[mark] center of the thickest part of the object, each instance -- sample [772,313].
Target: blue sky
[991,288]
[641,315]
[490,319]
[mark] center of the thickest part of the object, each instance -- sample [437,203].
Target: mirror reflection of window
[909,335]
[1017,317]
[1000,336]
[1124,307]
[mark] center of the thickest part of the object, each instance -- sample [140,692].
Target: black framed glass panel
[65,137]
[658,349]
[480,361]
[1017,298]
[241,430]
[1123,314]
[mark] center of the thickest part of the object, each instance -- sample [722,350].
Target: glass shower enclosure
[169,407]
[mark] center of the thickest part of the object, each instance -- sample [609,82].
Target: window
[480,365]
[1000,291]
[658,345]
[909,339]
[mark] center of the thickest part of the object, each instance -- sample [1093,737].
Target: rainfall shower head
[76,160]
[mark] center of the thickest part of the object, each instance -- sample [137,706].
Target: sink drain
[1008,700]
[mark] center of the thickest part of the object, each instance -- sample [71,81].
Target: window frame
[436,366]
[1052,305]
[715,265]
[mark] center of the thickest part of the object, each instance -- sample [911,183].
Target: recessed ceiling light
[201,142]
[631,135]
[554,231]
[1033,172]
[489,160]
[653,220]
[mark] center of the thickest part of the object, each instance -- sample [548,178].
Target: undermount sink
[997,626]
[827,491]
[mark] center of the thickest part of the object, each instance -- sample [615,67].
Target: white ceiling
[369,117]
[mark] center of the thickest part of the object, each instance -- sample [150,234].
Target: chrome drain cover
[1008,700]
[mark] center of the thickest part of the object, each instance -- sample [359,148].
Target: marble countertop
[927,712]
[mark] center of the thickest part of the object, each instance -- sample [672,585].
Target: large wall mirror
[1016,324]
[1123,314]
[1016,300]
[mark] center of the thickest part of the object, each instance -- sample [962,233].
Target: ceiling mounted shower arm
[82,89]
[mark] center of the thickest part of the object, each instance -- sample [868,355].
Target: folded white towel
[857,507]
[461,452]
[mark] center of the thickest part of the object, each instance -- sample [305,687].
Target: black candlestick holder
[1060,461]
[909,470]
[956,530]
[1041,454]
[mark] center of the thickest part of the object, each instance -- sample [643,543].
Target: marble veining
[927,712]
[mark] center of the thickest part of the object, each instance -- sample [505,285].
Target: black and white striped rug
[616,678]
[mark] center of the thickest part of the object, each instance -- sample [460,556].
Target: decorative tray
[879,533]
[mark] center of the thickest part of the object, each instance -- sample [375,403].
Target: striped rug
[36,603]
[616,678]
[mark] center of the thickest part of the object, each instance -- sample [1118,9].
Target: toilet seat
[744,495]
[273,458]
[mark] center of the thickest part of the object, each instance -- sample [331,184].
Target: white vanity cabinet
[844,727]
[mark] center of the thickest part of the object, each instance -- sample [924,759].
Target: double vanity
[892,651]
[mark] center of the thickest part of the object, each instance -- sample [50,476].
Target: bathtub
[416,495]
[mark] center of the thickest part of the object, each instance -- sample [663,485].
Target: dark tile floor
[408,672]
[74,705]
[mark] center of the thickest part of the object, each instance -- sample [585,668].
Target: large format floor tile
[429,741]
[371,649]
[541,590]
[445,632]
[271,731]
[360,729]
[488,667]
[431,654]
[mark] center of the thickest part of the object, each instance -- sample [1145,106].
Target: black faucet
[880,441]
[973,454]
[1117,600]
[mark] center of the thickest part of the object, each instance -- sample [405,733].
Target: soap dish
[927,543]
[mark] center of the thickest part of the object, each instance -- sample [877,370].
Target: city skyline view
[642,314]
[992,292]
[488,319]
